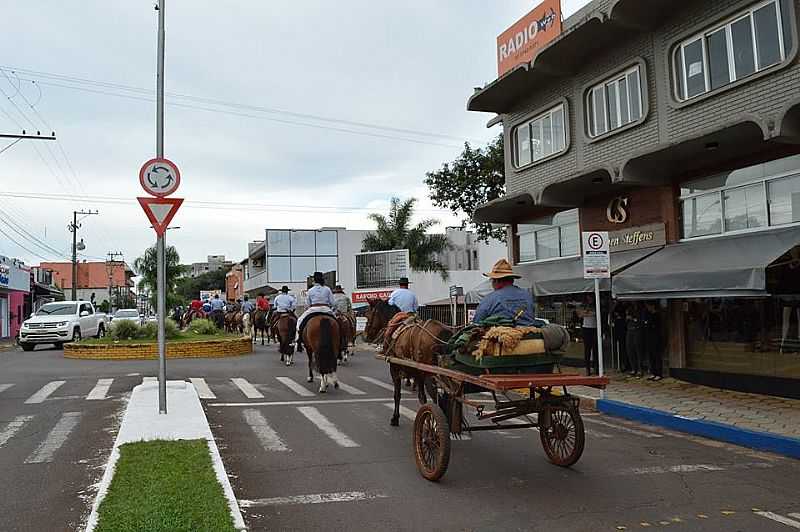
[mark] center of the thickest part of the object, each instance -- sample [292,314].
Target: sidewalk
[695,403]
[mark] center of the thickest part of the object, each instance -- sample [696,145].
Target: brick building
[95,279]
[675,125]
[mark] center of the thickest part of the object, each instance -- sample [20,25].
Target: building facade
[676,126]
[234,282]
[97,281]
[213,263]
[15,287]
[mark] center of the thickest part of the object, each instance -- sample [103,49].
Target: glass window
[615,103]
[570,240]
[559,133]
[693,64]
[327,243]
[524,145]
[536,140]
[677,60]
[599,102]
[624,106]
[744,208]
[326,264]
[784,200]
[702,215]
[527,247]
[718,69]
[768,35]
[278,242]
[547,135]
[303,243]
[302,268]
[744,60]
[547,243]
[541,137]
[613,108]
[634,88]
[278,269]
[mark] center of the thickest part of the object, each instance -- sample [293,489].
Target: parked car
[60,322]
[127,314]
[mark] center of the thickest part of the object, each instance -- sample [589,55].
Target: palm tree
[146,267]
[396,232]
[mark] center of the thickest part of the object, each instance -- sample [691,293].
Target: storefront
[15,285]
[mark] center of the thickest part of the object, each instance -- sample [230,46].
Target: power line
[10,145]
[21,246]
[23,233]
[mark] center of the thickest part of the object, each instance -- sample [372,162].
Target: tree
[396,232]
[188,288]
[474,178]
[146,267]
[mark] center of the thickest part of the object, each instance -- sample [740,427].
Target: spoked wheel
[564,438]
[431,442]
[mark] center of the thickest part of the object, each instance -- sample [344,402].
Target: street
[303,461]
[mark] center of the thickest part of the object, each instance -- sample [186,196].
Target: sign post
[597,265]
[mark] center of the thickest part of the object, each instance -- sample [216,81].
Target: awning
[561,277]
[505,209]
[732,266]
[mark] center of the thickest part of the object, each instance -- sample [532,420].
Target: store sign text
[646,236]
[519,43]
[617,210]
[5,272]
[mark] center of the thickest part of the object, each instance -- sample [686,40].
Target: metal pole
[74,255]
[599,330]
[161,281]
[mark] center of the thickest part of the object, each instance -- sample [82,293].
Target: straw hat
[502,270]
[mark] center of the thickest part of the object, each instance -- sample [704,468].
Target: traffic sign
[160,211]
[160,177]
[596,259]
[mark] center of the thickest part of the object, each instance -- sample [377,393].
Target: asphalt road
[303,461]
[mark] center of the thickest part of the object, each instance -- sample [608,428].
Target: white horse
[247,325]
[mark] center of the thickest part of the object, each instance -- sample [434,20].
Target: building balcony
[256,281]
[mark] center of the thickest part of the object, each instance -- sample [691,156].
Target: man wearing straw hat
[507,300]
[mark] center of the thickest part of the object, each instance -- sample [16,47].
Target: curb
[763,441]
[185,419]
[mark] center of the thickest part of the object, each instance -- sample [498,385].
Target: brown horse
[260,324]
[347,328]
[322,342]
[285,326]
[417,340]
[190,315]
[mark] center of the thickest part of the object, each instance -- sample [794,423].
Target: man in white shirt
[318,300]
[285,302]
[403,298]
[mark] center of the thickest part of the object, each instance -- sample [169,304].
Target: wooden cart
[558,417]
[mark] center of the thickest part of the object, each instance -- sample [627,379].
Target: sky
[279,114]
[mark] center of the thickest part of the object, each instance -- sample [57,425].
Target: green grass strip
[183,337]
[165,486]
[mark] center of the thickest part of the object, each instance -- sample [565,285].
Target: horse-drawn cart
[558,417]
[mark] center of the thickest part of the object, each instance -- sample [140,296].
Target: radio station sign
[519,43]
[365,297]
[642,237]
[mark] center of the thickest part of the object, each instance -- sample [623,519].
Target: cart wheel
[563,440]
[431,442]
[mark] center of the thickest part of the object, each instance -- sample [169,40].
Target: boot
[299,346]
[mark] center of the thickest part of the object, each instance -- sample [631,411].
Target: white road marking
[319,498]
[314,402]
[296,387]
[351,389]
[780,519]
[44,392]
[266,435]
[412,415]
[12,428]
[4,387]
[378,383]
[149,379]
[682,468]
[794,515]
[325,425]
[55,439]
[100,390]
[247,389]
[203,391]
[625,429]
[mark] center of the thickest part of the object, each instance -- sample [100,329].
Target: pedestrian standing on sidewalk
[620,331]
[634,338]
[589,332]
[652,340]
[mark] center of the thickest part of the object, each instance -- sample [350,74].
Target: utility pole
[112,255]
[73,227]
[161,245]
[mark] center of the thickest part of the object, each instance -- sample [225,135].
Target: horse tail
[325,352]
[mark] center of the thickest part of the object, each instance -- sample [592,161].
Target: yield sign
[160,211]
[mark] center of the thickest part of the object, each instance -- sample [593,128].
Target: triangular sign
[160,211]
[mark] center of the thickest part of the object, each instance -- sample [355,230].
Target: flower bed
[132,350]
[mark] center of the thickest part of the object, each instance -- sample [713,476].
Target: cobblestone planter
[145,351]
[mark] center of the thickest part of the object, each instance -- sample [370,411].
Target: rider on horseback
[405,300]
[247,306]
[318,300]
[285,302]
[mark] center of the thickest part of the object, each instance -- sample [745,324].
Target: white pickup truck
[62,321]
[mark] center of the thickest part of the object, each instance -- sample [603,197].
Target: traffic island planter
[218,348]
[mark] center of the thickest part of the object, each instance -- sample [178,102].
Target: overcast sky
[294,84]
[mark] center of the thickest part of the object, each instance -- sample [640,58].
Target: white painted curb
[185,420]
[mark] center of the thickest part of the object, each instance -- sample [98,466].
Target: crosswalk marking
[55,439]
[247,389]
[296,387]
[266,435]
[404,411]
[624,428]
[12,428]
[352,390]
[149,379]
[377,382]
[780,519]
[100,390]
[203,391]
[326,426]
[44,392]
[4,387]
[795,515]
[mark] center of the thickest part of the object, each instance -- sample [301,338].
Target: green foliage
[124,330]
[203,327]
[146,268]
[396,232]
[149,331]
[477,176]
[188,288]
[104,307]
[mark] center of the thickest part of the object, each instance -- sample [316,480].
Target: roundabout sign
[159,177]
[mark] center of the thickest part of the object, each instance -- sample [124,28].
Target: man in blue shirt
[507,300]
[403,298]
[247,306]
